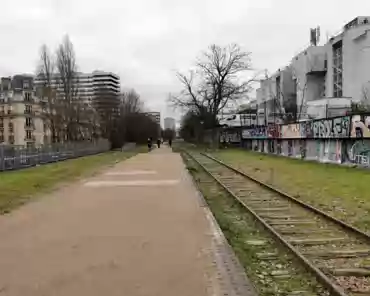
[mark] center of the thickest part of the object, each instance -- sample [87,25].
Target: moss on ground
[240,229]
[341,191]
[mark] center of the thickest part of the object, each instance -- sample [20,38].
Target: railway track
[336,253]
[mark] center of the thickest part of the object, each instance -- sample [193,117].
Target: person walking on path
[159,143]
[170,142]
[150,144]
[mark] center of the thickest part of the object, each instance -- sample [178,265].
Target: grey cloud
[145,41]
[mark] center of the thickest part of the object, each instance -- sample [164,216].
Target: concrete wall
[340,140]
[356,61]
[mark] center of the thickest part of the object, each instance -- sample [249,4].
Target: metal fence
[17,157]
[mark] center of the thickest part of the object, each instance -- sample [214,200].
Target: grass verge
[277,273]
[18,187]
[338,190]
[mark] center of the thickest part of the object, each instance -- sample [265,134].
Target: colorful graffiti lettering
[356,126]
[307,129]
[256,132]
[360,126]
[328,128]
[291,131]
[359,152]
[273,130]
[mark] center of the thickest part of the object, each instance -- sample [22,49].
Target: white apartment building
[90,85]
[325,79]
[169,123]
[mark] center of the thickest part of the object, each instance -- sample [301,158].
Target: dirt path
[129,231]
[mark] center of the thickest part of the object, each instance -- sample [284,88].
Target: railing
[17,157]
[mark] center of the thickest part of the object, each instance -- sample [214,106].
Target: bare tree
[130,102]
[132,125]
[215,82]
[50,104]
[68,84]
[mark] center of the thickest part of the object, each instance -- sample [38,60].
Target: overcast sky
[146,41]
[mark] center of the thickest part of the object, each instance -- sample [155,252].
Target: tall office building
[99,90]
[156,116]
[89,86]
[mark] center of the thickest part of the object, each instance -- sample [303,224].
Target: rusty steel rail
[323,214]
[321,277]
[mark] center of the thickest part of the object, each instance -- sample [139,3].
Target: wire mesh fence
[17,157]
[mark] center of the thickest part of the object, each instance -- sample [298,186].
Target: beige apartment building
[21,118]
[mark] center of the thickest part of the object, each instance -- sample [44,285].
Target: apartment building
[90,86]
[275,96]
[21,119]
[348,61]
[323,80]
[156,116]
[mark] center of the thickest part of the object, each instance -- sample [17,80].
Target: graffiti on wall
[230,137]
[290,147]
[291,131]
[358,152]
[303,148]
[331,128]
[326,128]
[360,126]
[273,130]
[255,132]
[356,126]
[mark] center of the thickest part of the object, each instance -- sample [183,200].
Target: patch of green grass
[339,190]
[18,187]
[239,228]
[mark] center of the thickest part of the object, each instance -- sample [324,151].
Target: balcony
[29,112]
[30,139]
[312,61]
[29,127]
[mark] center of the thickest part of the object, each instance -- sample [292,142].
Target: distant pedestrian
[150,144]
[159,143]
[170,142]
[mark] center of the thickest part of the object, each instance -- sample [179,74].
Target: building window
[337,70]
[1,136]
[26,84]
[11,139]
[28,109]
[28,121]
[28,135]
[27,97]
[11,127]
[1,122]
